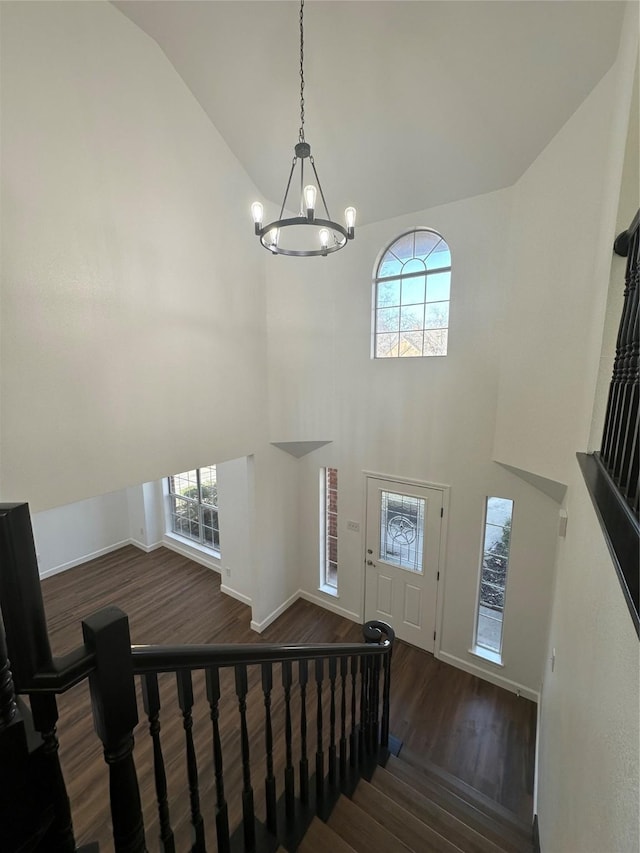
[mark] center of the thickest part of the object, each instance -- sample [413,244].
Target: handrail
[174,658]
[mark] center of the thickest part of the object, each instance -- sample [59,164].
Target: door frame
[442,555]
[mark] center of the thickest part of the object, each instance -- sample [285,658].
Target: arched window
[411,300]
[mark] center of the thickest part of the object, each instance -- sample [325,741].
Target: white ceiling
[408,104]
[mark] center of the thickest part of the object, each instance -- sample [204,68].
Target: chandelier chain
[301,134]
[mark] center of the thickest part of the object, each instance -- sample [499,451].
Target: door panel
[403,551]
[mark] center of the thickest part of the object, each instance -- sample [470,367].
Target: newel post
[115,714]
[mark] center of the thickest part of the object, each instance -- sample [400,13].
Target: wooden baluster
[289,793]
[222,815]
[354,729]
[45,717]
[248,816]
[7,690]
[151,700]
[115,715]
[185,700]
[303,675]
[375,705]
[344,661]
[270,780]
[319,744]
[333,666]
[386,691]
[364,709]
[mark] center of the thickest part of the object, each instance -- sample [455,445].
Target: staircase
[289,710]
[412,805]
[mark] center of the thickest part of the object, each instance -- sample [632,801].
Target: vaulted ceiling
[408,104]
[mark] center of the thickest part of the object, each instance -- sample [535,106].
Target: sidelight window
[493,574]
[329,529]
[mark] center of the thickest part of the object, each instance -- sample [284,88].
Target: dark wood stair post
[115,715]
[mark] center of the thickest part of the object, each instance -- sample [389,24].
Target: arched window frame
[406,324]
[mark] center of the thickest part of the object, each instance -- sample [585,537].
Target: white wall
[72,534]
[431,419]
[555,299]
[132,295]
[235,533]
[589,751]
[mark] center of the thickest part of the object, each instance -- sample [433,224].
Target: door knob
[370,563]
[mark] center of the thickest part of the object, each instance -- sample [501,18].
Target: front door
[402,555]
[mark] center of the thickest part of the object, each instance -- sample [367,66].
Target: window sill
[486,654]
[329,590]
[188,545]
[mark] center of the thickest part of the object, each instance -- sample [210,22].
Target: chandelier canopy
[305,235]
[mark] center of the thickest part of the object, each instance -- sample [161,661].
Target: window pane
[388,320]
[438,286]
[389,265]
[386,346]
[489,629]
[499,511]
[435,342]
[329,551]
[410,344]
[403,248]
[412,318]
[185,484]
[413,290]
[208,485]
[436,315]
[388,294]
[426,241]
[412,266]
[402,530]
[440,257]
[185,518]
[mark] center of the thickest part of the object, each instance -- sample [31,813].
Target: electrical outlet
[142,531]
[553,660]
[353,525]
[228,571]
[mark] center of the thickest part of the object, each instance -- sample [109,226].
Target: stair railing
[346,677]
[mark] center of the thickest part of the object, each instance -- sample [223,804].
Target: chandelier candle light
[328,236]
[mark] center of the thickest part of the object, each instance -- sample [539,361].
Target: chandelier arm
[315,172]
[286,192]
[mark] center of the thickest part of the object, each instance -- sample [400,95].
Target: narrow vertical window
[493,574]
[329,528]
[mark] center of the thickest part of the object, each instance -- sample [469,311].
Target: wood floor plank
[320,838]
[170,599]
[357,828]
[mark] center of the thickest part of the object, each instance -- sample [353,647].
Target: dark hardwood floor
[478,732]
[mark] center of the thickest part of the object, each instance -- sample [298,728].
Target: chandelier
[306,234]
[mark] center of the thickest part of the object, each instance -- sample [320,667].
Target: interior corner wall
[133,315]
[273,526]
[431,419]
[560,233]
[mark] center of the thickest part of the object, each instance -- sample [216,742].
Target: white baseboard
[146,548]
[235,594]
[492,677]
[329,605]
[63,567]
[260,626]
[191,554]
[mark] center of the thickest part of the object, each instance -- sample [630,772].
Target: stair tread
[504,835]
[321,837]
[406,826]
[463,789]
[361,831]
[466,837]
